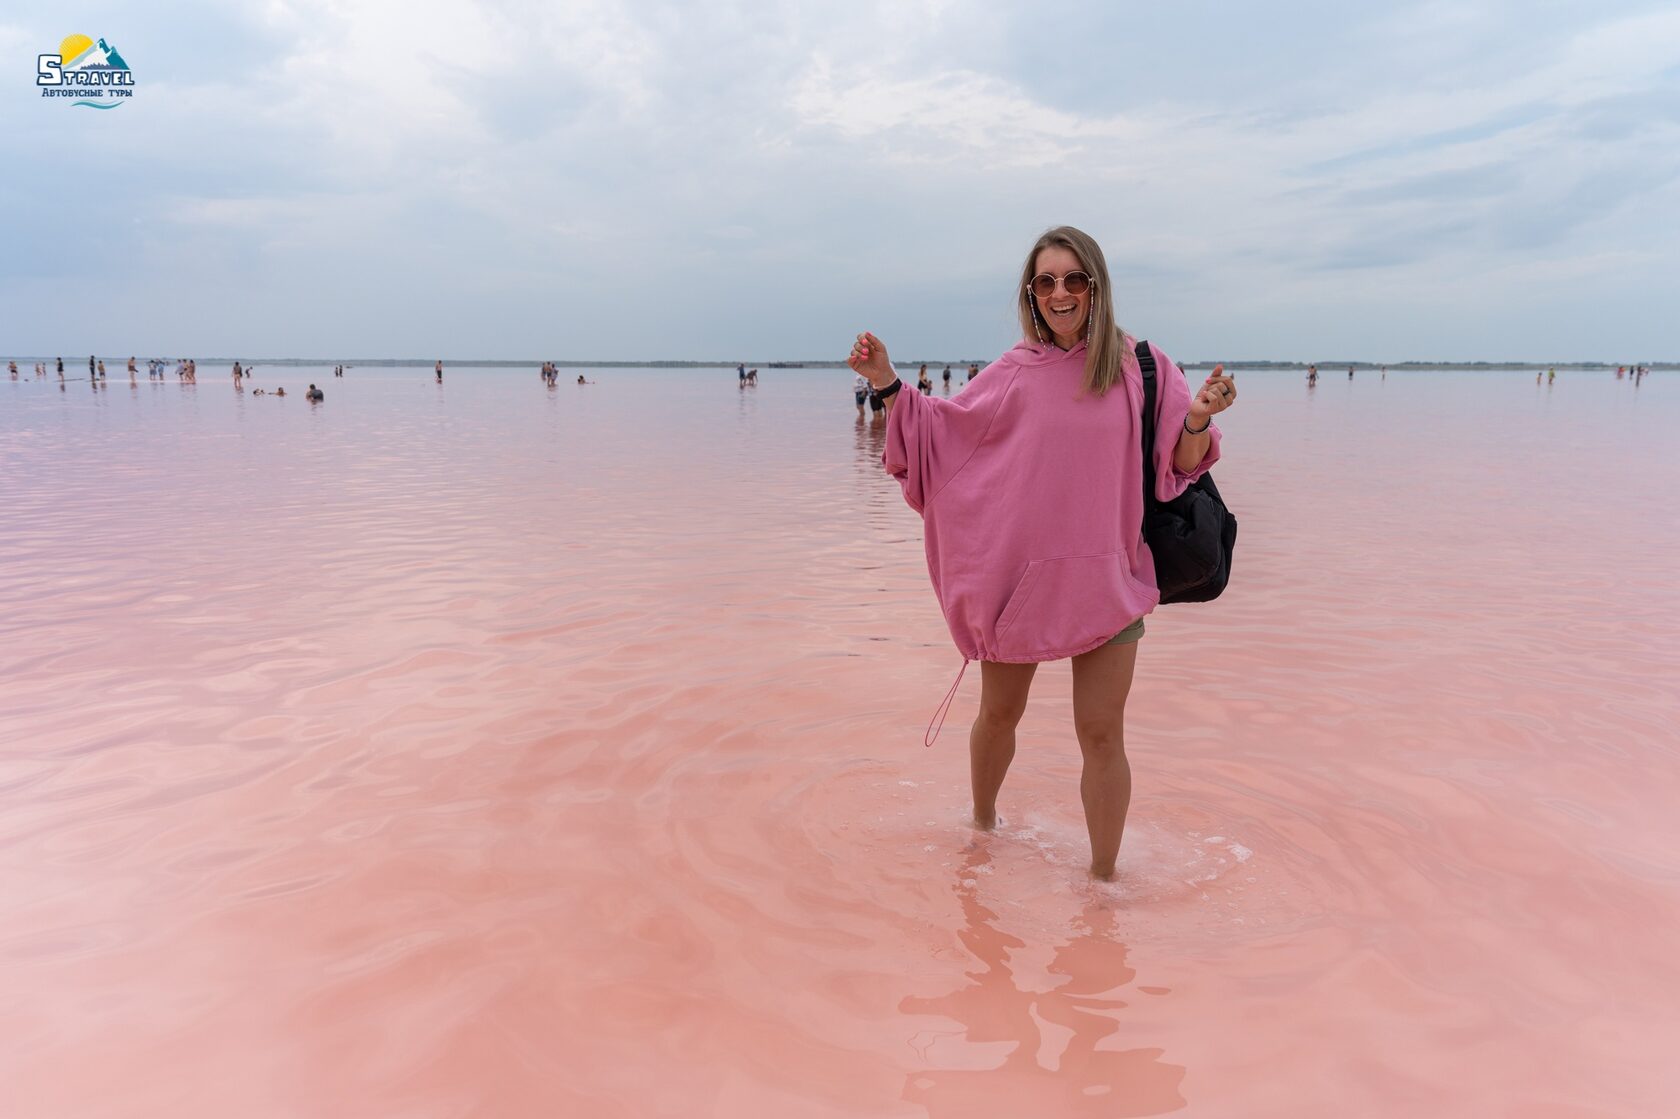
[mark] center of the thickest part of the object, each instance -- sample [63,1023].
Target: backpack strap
[1146,361]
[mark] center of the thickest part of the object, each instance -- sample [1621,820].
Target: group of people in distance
[1312,374]
[185,368]
[551,375]
[863,394]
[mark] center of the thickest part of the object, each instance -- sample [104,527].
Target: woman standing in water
[1031,485]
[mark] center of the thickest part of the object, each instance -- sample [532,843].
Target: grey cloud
[372,225]
[1473,183]
[1416,145]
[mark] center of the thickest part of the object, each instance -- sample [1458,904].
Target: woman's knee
[1002,713]
[1101,741]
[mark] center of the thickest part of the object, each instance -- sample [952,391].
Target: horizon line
[829,363]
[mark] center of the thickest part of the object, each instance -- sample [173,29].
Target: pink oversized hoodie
[1031,495]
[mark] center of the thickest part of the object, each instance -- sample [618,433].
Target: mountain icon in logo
[80,52]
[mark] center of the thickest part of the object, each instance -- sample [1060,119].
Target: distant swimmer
[438,369]
[314,395]
[581,381]
[281,391]
[752,376]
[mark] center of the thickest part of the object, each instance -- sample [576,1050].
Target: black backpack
[1192,535]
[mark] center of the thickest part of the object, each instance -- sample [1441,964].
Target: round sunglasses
[1074,283]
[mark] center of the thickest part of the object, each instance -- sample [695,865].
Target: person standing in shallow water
[1038,556]
[438,369]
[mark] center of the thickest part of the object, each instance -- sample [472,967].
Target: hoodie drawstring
[944,709]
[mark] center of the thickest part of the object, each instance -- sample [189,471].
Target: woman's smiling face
[1062,313]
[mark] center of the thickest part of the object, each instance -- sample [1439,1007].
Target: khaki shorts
[1127,636]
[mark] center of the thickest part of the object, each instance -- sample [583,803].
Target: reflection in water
[879,493]
[1081,1080]
[869,440]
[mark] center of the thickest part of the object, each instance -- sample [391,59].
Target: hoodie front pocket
[1018,599]
[1063,605]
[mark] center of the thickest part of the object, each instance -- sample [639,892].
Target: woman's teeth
[1064,310]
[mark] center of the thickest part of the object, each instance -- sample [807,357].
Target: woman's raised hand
[869,357]
[1216,395]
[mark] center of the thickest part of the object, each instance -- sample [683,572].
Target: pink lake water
[490,750]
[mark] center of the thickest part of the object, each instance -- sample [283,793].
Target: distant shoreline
[1325,367]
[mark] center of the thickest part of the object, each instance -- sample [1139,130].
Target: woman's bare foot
[987,822]
[1102,874]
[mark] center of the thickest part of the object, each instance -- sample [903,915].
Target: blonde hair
[1108,349]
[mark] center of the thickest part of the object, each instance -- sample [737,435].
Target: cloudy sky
[761,180]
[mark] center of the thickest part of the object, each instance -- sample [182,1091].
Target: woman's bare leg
[1102,679]
[991,743]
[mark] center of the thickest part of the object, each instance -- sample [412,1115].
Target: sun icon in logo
[73,47]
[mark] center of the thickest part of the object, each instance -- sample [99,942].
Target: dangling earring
[1032,304]
[1090,324]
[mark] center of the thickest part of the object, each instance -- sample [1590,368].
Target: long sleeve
[930,438]
[1172,408]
